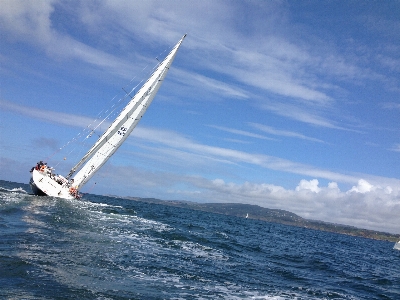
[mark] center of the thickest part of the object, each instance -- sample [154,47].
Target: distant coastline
[263,214]
[274,216]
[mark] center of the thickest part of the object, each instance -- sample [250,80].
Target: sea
[113,248]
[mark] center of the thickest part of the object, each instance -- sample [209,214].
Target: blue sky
[285,104]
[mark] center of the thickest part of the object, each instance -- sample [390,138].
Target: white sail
[123,125]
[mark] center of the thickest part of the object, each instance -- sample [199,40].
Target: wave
[19,190]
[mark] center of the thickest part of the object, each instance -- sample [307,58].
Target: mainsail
[123,125]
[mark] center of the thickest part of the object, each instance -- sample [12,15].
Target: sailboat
[45,182]
[397,246]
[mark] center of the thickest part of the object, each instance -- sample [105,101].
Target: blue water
[111,248]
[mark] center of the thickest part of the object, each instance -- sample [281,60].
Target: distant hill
[275,216]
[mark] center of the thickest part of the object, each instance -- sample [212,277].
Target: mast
[123,125]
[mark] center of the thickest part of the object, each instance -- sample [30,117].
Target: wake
[19,190]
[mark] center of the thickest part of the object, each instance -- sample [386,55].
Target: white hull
[43,184]
[397,246]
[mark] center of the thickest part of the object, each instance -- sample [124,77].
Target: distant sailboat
[397,246]
[44,182]
[247,215]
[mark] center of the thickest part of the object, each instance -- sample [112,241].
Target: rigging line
[111,111]
[100,113]
[61,148]
[106,117]
[132,90]
[127,93]
[88,127]
[50,156]
[74,139]
[69,154]
[104,111]
[90,189]
[151,71]
[94,121]
[135,77]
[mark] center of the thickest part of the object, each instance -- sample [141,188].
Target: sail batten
[123,125]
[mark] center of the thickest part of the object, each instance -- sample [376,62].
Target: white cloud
[217,86]
[241,132]
[378,209]
[285,133]
[47,116]
[391,105]
[362,187]
[28,20]
[311,185]
[395,148]
[300,113]
[333,186]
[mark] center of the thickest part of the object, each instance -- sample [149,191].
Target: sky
[288,105]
